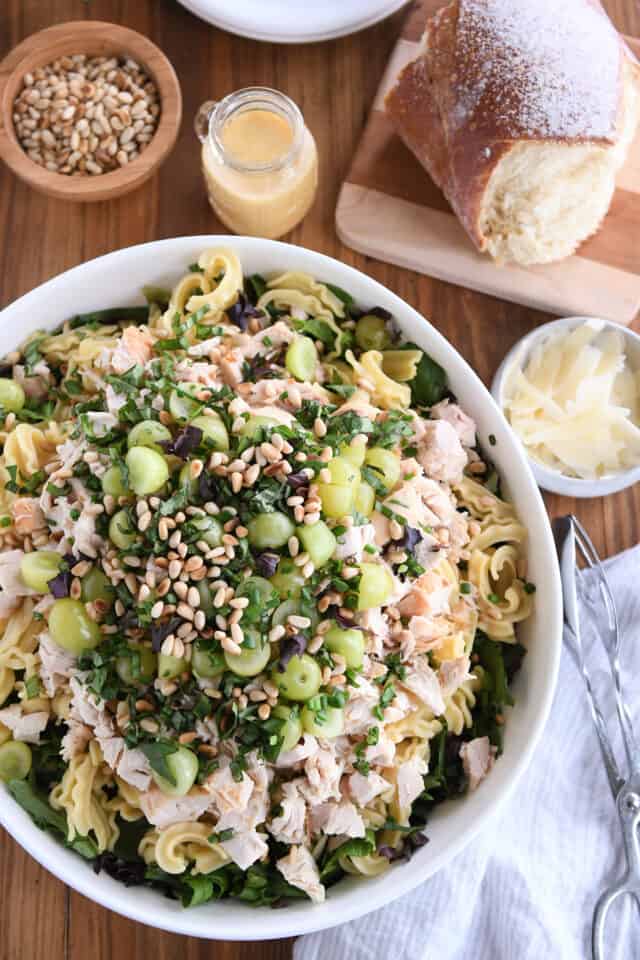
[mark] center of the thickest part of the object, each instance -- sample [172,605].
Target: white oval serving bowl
[554,480]
[116,279]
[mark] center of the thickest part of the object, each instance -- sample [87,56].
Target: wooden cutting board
[390,209]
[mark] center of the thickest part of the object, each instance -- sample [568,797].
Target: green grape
[385,464]
[120,530]
[288,579]
[252,660]
[270,530]
[96,586]
[170,667]
[365,499]
[257,587]
[112,483]
[291,730]
[376,586]
[214,432]
[290,608]
[337,499]
[301,358]
[206,600]
[183,766]
[372,333]
[12,396]
[318,541]
[348,643]
[256,423]
[180,404]
[148,470]
[186,480]
[148,663]
[209,529]
[148,433]
[71,627]
[207,663]
[328,724]
[301,678]
[343,472]
[39,567]
[354,453]
[15,760]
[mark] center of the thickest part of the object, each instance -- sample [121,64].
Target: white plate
[292,21]
[117,279]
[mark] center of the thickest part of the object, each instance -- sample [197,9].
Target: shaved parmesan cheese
[575,404]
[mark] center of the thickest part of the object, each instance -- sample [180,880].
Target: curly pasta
[81,796]
[175,847]
[304,283]
[371,865]
[385,393]
[460,703]
[222,272]
[31,448]
[19,639]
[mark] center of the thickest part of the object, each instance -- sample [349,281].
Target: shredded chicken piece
[323,772]
[290,825]
[478,757]
[463,425]
[337,819]
[162,810]
[56,665]
[300,870]
[363,790]
[12,586]
[422,681]
[24,726]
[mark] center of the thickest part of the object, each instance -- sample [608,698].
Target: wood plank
[335,83]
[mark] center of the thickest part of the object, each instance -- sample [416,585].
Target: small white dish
[553,480]
[292,21]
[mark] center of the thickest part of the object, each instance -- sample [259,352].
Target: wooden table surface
[334,84]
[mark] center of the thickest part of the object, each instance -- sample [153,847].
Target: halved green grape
[288,579]
[258,587]
[186,480]
[343,472]
[207,663]
[121,531]
[206,600]
[170,667]
[372,333]
[214,432]
[183,766]
[301,678]
[348,643]
[385,464]
[148,470]
[181,406]
[301,358]
[254,424]
[71,627]
[39,567]
[328,723]
[365,499]
[291,730]
[113,483]
[318,541]
[337,499]
[146,666]
[95,585]
[270,530]
[290,608]
[12,396]
[209,529]
[354,452]
[15,760]
[252,660]
[376,586]
[148,433]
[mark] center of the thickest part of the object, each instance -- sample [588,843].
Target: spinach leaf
[429,385]
[157,753]
[45,817]
[331,871]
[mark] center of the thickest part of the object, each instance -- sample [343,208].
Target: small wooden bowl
[95,38]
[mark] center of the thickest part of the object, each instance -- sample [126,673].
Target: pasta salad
[258,588]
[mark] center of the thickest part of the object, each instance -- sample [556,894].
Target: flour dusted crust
[516,107]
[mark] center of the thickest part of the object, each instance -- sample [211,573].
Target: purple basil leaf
[266,563]
[298,480]
[160,632]
[290,647]
[183,443]
[242,311]
[411,538]
[60,585]
[417,840]
[389,853]
[207,487]
[379,312]
[333,613]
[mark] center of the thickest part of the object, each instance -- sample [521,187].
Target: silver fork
[573,541]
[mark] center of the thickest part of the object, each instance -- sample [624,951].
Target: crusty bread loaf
[522,111]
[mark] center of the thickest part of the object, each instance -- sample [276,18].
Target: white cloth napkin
[526,889]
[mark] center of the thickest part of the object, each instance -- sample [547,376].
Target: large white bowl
[116,279]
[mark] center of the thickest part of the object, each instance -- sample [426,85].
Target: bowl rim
[548,478]
[478,808]
[93,37]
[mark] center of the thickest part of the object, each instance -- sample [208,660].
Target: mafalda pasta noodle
[259,590]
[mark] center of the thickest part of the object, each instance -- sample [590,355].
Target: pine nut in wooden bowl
[88,110]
